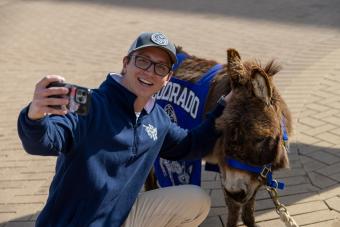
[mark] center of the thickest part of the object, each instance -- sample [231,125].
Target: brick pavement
[83,41]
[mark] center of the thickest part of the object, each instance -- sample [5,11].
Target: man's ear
[126,60]
[168,78]
[170,75]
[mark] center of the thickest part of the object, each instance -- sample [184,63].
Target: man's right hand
[41,103]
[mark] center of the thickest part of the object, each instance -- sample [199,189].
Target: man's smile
[145,82]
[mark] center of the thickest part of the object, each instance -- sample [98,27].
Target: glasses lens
[161,69]
[142,63]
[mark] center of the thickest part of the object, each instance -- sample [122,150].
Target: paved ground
[83,40]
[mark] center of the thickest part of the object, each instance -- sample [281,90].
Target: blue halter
[265,171]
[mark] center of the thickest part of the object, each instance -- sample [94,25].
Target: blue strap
[264,171]
[284,129]
[242,166]
[180,58]
[206,78]
[274,183]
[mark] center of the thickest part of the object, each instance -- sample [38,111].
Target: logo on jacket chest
[151,131]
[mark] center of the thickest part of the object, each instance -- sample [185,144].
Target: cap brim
[171,54]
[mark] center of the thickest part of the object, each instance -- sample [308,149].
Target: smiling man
[105,156]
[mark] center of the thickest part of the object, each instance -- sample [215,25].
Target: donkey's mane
[193,68]
[271,68]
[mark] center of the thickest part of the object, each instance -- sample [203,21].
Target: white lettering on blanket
[181,96]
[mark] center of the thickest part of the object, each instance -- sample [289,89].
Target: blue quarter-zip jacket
[105,157]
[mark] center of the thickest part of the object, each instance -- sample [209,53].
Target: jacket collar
[113,85]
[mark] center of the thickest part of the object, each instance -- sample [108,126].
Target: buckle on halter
[265,171]
[274,184]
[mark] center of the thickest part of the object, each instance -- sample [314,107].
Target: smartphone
[79,98]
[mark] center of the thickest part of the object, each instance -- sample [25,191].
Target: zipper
[135,138]
[134,146]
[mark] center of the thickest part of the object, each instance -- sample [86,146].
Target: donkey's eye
[260,139]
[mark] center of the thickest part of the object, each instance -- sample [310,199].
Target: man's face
[145,83]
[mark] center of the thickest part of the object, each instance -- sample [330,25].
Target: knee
[197,196]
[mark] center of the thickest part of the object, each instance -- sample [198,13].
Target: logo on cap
[159,39]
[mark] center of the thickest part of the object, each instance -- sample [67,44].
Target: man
[105,156]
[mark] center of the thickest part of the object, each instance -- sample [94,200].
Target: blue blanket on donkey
[184,102]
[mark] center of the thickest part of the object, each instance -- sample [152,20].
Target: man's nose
[151,68]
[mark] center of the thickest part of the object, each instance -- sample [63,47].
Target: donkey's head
[252,126]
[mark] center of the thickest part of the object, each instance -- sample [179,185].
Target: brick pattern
[83,41]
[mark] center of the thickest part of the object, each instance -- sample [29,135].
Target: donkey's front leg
[248,213]
[233,212]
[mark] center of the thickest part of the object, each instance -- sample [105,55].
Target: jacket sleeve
[48,136]
[181,144]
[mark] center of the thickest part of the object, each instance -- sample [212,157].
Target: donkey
[253,128]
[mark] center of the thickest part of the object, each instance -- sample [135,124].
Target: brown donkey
[254,128]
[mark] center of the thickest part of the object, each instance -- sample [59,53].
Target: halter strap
[284,129]
[264,171]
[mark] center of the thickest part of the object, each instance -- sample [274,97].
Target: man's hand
[40,105]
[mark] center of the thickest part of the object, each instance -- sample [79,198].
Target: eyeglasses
[144,63]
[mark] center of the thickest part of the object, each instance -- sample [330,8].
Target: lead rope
[281,209]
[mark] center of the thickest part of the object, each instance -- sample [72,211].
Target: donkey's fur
[250,125]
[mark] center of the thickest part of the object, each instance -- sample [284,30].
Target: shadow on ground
[306,12]
[296,192]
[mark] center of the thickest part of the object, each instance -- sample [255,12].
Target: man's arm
[40,132]
[49,135]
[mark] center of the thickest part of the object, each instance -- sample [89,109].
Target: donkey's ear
[261,85]
[234,58]
[235,67]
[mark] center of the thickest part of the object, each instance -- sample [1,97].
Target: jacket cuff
[29,122]
[217,111]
